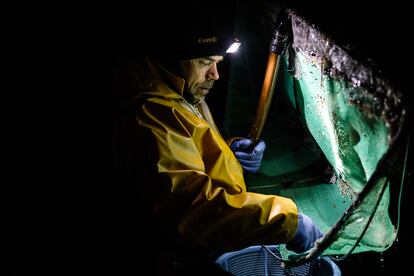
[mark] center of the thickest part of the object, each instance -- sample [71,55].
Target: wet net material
[329,134]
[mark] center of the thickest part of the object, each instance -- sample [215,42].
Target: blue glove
[306,234]
[249,158]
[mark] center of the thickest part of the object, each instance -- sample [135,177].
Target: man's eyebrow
[213,60]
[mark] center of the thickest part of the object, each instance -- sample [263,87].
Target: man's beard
[190,97]
[193,97]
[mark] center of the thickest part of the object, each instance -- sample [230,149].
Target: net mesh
[324,144]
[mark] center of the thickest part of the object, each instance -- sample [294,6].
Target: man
[191,190]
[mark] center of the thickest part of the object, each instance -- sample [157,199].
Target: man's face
[199,75]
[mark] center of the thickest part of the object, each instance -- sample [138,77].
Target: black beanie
[194,32]
[205,41]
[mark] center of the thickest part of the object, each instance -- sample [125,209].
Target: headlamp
[234,46]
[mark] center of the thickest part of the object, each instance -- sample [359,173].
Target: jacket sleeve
[203,192]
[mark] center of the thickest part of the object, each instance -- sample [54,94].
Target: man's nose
[212,73]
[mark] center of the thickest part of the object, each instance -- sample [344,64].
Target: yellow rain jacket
[202,193]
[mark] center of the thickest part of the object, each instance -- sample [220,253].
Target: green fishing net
[326,137]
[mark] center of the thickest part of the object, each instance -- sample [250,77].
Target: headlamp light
[234,46]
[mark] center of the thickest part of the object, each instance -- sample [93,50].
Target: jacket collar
[162,73]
